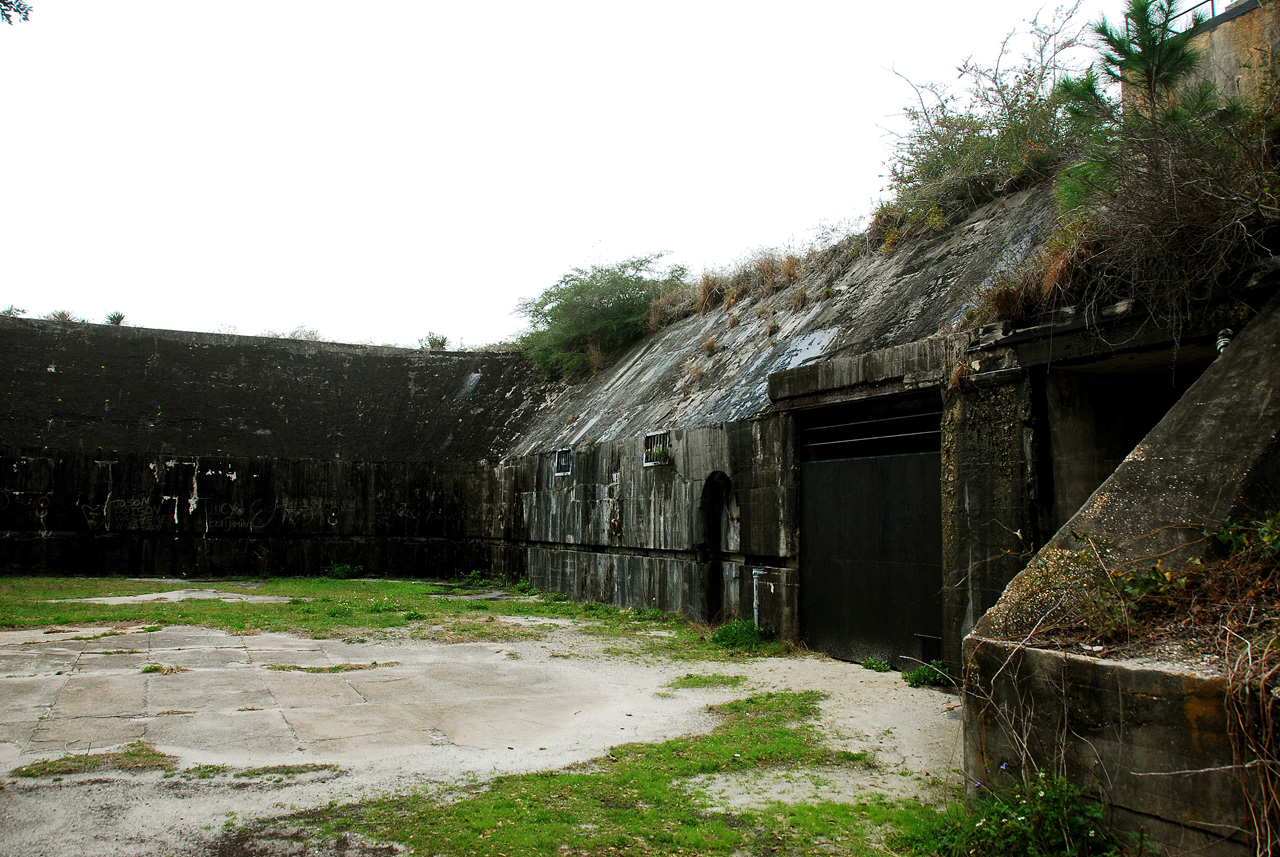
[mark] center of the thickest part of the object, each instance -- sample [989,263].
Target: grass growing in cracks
[633,801]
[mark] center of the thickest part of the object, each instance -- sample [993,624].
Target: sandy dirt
[429,715]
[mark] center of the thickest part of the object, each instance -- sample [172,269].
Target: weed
[932,674]
[693,680]
[524,587]
[1048,816]
[138,756]
[336,668]
[876,665]
[203,772]
[164,669]
[799,299]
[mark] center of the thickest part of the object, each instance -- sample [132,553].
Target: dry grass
[596,358]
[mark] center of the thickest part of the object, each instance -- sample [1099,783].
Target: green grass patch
[329,608]
[632,800]
[336,668]
[138,756]
[285,771]
[490,629]
[165,669]
[203,772]
[707,680]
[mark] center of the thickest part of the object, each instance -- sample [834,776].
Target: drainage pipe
[756,574]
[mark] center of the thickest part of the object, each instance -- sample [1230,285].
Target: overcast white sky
[379,170]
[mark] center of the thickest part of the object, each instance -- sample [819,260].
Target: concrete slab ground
[426,714]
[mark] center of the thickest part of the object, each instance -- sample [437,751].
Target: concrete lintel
[925,363]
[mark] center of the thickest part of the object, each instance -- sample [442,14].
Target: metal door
[871,555]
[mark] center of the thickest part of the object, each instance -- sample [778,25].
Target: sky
[378,171]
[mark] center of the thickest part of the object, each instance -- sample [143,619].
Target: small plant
[164,669]
[799,299]
[524,587]
[1262,534]
[932,674]
[773,327]
[709,346]
[414,616]
[475,579]
[12,311]
[876,665]
[63,315]
[115,318]
[434,342]
[344,571]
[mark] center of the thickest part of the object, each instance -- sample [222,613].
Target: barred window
[657,448]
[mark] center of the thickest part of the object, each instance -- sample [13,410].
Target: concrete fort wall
[138,451]
[686,535]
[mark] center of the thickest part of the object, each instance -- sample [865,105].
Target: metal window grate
[564,461]
[657,448]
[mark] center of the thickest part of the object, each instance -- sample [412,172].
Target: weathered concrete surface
[1150,740]
[444,716]
[1236,63]
[105,388]
[69,511]
[877,300]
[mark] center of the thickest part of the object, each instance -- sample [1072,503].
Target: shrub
[344,571]
[876,665]
[959,153]
[591,313]
[932,674]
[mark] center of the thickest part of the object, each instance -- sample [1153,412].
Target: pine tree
[1147,53]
